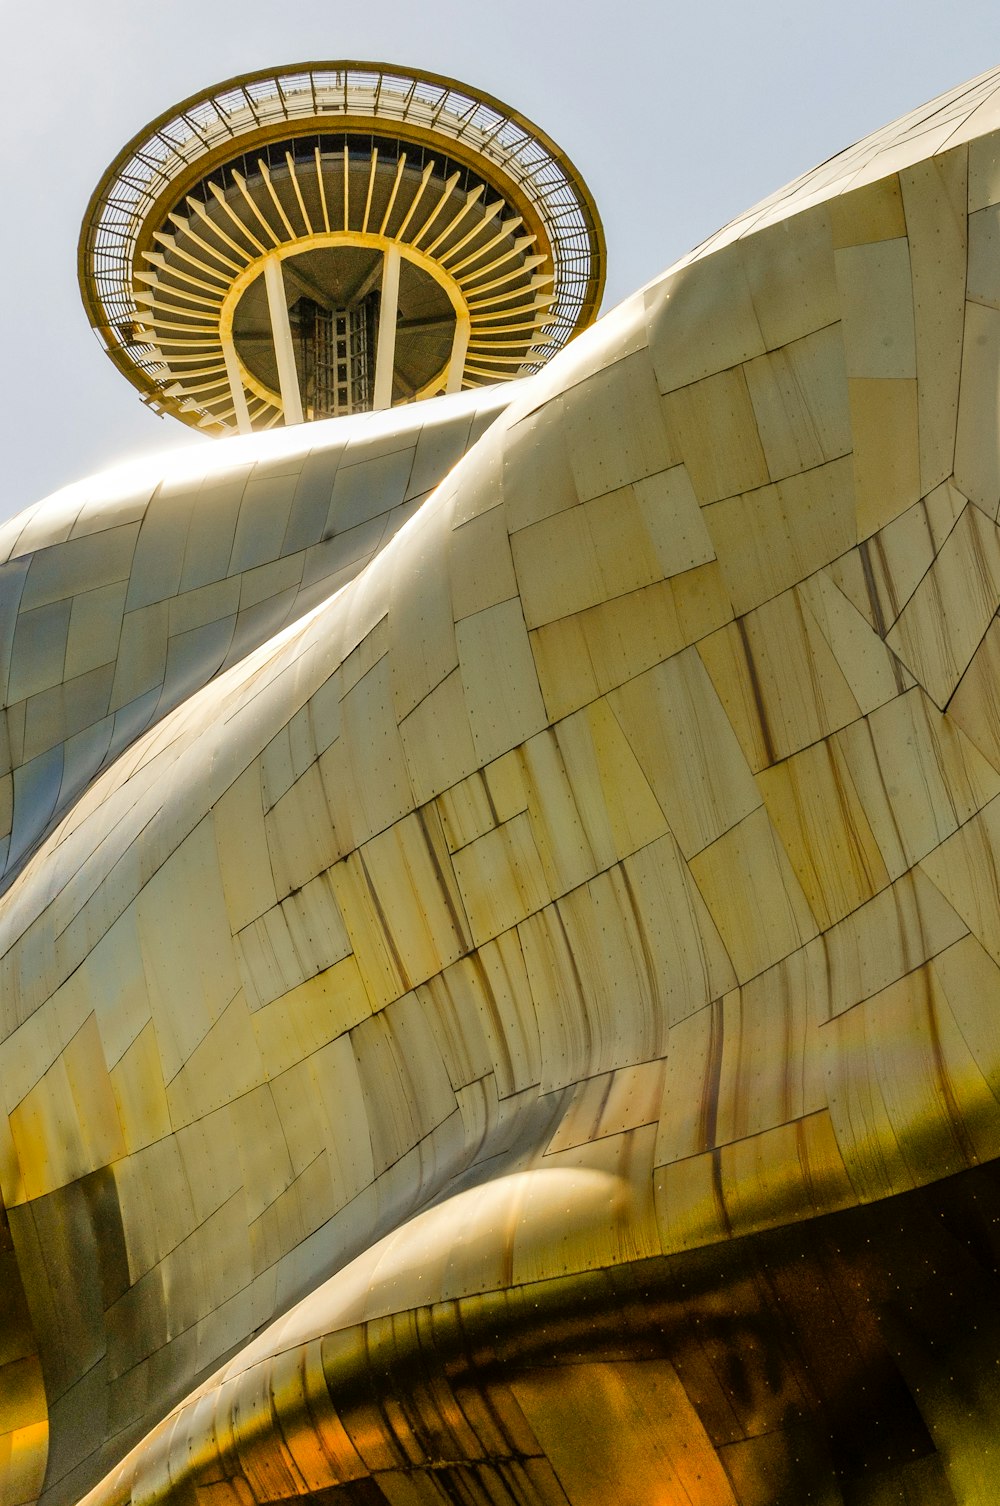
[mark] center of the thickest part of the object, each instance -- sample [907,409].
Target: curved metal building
[500,953]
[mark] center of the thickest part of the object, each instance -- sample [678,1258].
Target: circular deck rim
[186,142]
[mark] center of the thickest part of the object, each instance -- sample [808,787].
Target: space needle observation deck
[335,237]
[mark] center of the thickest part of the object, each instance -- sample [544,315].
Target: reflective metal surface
[517,1020]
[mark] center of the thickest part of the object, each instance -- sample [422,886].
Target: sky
[678,115]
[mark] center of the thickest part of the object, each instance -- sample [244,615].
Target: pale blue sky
[679,115]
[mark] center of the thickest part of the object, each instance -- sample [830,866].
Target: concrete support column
[236,384]
[459,350]
[281,334]
[385,354]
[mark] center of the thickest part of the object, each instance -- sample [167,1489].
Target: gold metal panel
[361,799]
[421,629]
[451,1002]
[884,421]
[872,671]
[365,488]
[799,397]
[271,578]
[67,1125]
[935,197]
[442,441]
[614,428]
[791,275]
[559,832]
[157,1210]
[507,784]
[783,1174]
[904,1085]
[676,526]
[824,831]
[619,526]
[617,807]
[293,1216]
[437,740]
[778,680]
[210,1161]
[537,478]
[605,1010]
[679,308]
[328,1084]
[962,868]
[869,214]
[380,967]
[292,942]
[501,878]
[506,1013]
[57,714]
[964,582]
[115,981]
[759,1089]
[23,1458]
[466,811]
[631,1418]
[688,963]
[760,555]
[567,673]
[123,499]
[137,1083]
[713,429]
[224,1065]
[664,714]
[965,974]
[412,887]
[265,507]
[185,953]
[984,178]
[587,1209]
[394,1054]
[305,1018]
[499,679]
[212,528]
[578,582]
[917,775]
[238,826]
[901,928]
[977,455]
[876,303]
[481,566]
[973,707]
[302,840]
[984,237]
[771,917]
[689,1104]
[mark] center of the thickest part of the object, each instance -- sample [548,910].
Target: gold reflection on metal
[500,954]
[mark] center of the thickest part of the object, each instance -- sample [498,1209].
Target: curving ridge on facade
[513,1017]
